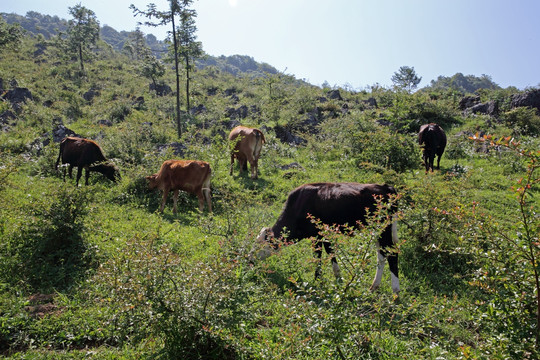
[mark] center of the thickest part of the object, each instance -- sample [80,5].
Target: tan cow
[248,144]
[192,176]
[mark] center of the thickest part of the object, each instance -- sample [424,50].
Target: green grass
[127,282]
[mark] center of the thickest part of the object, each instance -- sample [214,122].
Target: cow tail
[259,137]
[62,144]
[206,181]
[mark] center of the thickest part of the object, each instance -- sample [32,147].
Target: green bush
[44,248]
[390,150]
[523,120]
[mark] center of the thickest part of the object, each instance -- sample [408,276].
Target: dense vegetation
[95,271]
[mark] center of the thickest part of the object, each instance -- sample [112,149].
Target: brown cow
[192,176]
[247,148]
[334,204]
[87,154]
[432,139]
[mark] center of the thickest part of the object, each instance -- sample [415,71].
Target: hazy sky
[352,42]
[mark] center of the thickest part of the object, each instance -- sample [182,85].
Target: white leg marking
[337,272]
[381,260]
[395,279]
[395,283]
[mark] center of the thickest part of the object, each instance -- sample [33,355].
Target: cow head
[152,181]
[263,248]
[110,171]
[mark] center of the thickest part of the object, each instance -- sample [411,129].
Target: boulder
[528,99]
[6,120]
[178,149]
[371,102]
[240,113]
[199,109]
[17,96]
[468,101]
[335,95]
[104,122]
[161,89]
[489,108]
[90,95]
[286,136]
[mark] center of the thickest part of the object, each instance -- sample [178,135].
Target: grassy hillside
[95,271]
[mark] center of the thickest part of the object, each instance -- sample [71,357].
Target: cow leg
[335,266]
[381,260]
[79,173]
[394,275]
[318,254]
[384,252]
[175,201]
[232,163]
[253,165]
[430,162]
[87,174]
[70,172]
[243,165]
[200,196]
[438,161]
[393,260]
[165,193]
[207,196]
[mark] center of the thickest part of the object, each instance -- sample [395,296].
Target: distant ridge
[49,26]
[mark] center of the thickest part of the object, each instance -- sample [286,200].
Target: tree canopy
[406,78]
[82,32]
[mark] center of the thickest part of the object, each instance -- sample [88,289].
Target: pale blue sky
[353,42]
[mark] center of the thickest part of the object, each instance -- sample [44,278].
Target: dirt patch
[41,305]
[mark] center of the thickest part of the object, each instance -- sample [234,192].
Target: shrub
[44,248]
[390,150]
[523,120]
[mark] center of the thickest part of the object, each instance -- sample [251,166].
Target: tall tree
[406,78]
[135,46]
[190,49]
[181,37]
[82,32]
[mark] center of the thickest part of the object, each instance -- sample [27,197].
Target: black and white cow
[333,203]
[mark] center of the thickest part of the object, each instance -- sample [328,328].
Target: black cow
[432,139]
[87,154]
[334,203]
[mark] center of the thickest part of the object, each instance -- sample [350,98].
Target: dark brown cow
[192,176]
[87,154]
[248,144]
[339,204]
[432,139]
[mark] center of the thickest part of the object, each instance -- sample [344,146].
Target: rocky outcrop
[17,97]
[161,89]
[468,102]
[489,108]
[528,99]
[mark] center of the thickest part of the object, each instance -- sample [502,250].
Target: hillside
[97,271]
[49,26]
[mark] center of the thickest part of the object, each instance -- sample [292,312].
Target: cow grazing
[432,139]
[248,143]
[339,204]
[192,176]
[85,154]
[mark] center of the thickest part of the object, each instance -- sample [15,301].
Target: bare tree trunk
[175,43]
[187,82]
